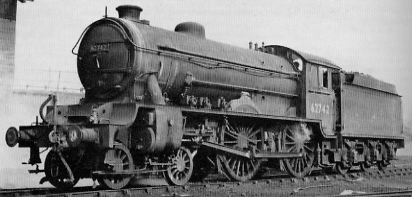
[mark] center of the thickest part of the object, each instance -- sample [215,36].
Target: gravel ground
[352,185]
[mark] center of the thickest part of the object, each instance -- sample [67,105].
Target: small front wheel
[181,169]
[117,159]
[56,172]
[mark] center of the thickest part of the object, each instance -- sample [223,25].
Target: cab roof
[307,57]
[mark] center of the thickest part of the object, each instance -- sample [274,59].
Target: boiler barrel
[211,69]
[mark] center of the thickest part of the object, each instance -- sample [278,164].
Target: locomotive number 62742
[319,108]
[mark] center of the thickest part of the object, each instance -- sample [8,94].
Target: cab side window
[323,77]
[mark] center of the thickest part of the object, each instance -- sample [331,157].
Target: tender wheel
[365,167]
[181,170]
[382,165]
[341,169]
[384,162]
[242,136]
[346,162]
[297,139]
[56,172]
[367,164]
[117,159]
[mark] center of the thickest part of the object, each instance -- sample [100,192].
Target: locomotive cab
[317,95]
[319,98]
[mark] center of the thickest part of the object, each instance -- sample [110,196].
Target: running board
[252,154]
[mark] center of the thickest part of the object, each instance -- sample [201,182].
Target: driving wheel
[242,136]
[297,139]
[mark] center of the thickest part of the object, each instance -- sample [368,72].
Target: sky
[368,36]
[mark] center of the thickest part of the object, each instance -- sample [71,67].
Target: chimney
[129,12]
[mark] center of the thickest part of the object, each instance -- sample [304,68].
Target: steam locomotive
[174,102]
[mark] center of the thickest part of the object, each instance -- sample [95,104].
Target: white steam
[301,132]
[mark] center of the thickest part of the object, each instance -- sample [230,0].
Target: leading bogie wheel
[56,172]
[116,159]
[181,169]
[297,139]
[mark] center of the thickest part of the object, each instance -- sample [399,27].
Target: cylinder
[75,135]
[145,140]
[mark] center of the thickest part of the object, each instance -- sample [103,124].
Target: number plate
[100,48]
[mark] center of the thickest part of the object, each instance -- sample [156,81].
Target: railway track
[297,186]
[406,193]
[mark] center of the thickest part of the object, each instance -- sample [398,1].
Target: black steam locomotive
[174,102]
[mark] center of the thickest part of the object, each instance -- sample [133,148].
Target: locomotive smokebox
[129,12]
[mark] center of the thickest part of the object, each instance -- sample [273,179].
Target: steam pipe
[175,50]
[43,105]
[154,90]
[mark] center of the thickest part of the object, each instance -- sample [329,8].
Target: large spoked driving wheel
[181,169]
[116,160]
[241,136]
[240,168]
[297,139]
[56,172]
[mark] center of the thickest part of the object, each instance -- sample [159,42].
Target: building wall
[8,10]
[7,42]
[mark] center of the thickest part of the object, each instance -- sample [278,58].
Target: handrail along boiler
[177,103]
